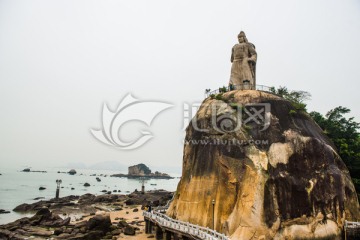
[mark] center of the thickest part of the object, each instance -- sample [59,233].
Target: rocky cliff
[277,176]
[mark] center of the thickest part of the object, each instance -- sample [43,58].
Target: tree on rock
[345,136]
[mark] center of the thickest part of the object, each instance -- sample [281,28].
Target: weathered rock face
[140,169]
[285,182]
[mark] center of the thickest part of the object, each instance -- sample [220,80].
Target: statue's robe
[241,68]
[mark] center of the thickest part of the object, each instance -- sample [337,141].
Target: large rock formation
[285,182]
[140,169]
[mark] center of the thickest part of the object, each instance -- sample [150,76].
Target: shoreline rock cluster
[81,217]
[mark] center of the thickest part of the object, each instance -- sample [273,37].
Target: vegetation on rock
[343,132]
[297,98]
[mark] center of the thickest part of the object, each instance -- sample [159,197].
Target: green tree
[344,133]
[297,98]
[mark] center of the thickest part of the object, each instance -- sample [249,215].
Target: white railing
[349,224]
[237,87]
[185,227]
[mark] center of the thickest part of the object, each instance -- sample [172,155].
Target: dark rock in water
[135,210]
[98,179]
[86,185]
[26,170]
[72,188]
[38,198]
[104,191]
[114,190]
[23,208]
[42,188]
[100,223]
[129,230]
[2,211]
[109,192]
[72,172]
[53,204]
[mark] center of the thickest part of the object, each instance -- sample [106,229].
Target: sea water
[17,187]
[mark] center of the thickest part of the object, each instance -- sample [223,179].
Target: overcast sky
[61,60]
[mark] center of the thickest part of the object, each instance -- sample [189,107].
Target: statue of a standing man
[243,58]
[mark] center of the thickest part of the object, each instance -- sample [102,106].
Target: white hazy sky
[61,60]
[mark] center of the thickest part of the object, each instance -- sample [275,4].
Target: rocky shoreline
[84,217]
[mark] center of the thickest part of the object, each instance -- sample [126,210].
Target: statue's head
[242,37]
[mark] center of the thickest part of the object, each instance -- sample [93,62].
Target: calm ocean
[18,187]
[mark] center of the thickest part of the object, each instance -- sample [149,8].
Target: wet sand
[130,217]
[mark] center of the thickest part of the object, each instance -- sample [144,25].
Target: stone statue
[243,58]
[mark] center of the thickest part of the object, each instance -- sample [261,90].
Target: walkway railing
[352,230]
[238,87]
[349,224]
[184,227]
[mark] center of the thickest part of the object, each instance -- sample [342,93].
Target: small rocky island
[29,170]
[141,170]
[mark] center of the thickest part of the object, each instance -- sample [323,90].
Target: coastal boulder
[277,176]
[43,212]
[23,207]
[129,230]
[2,211]
[99,223]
